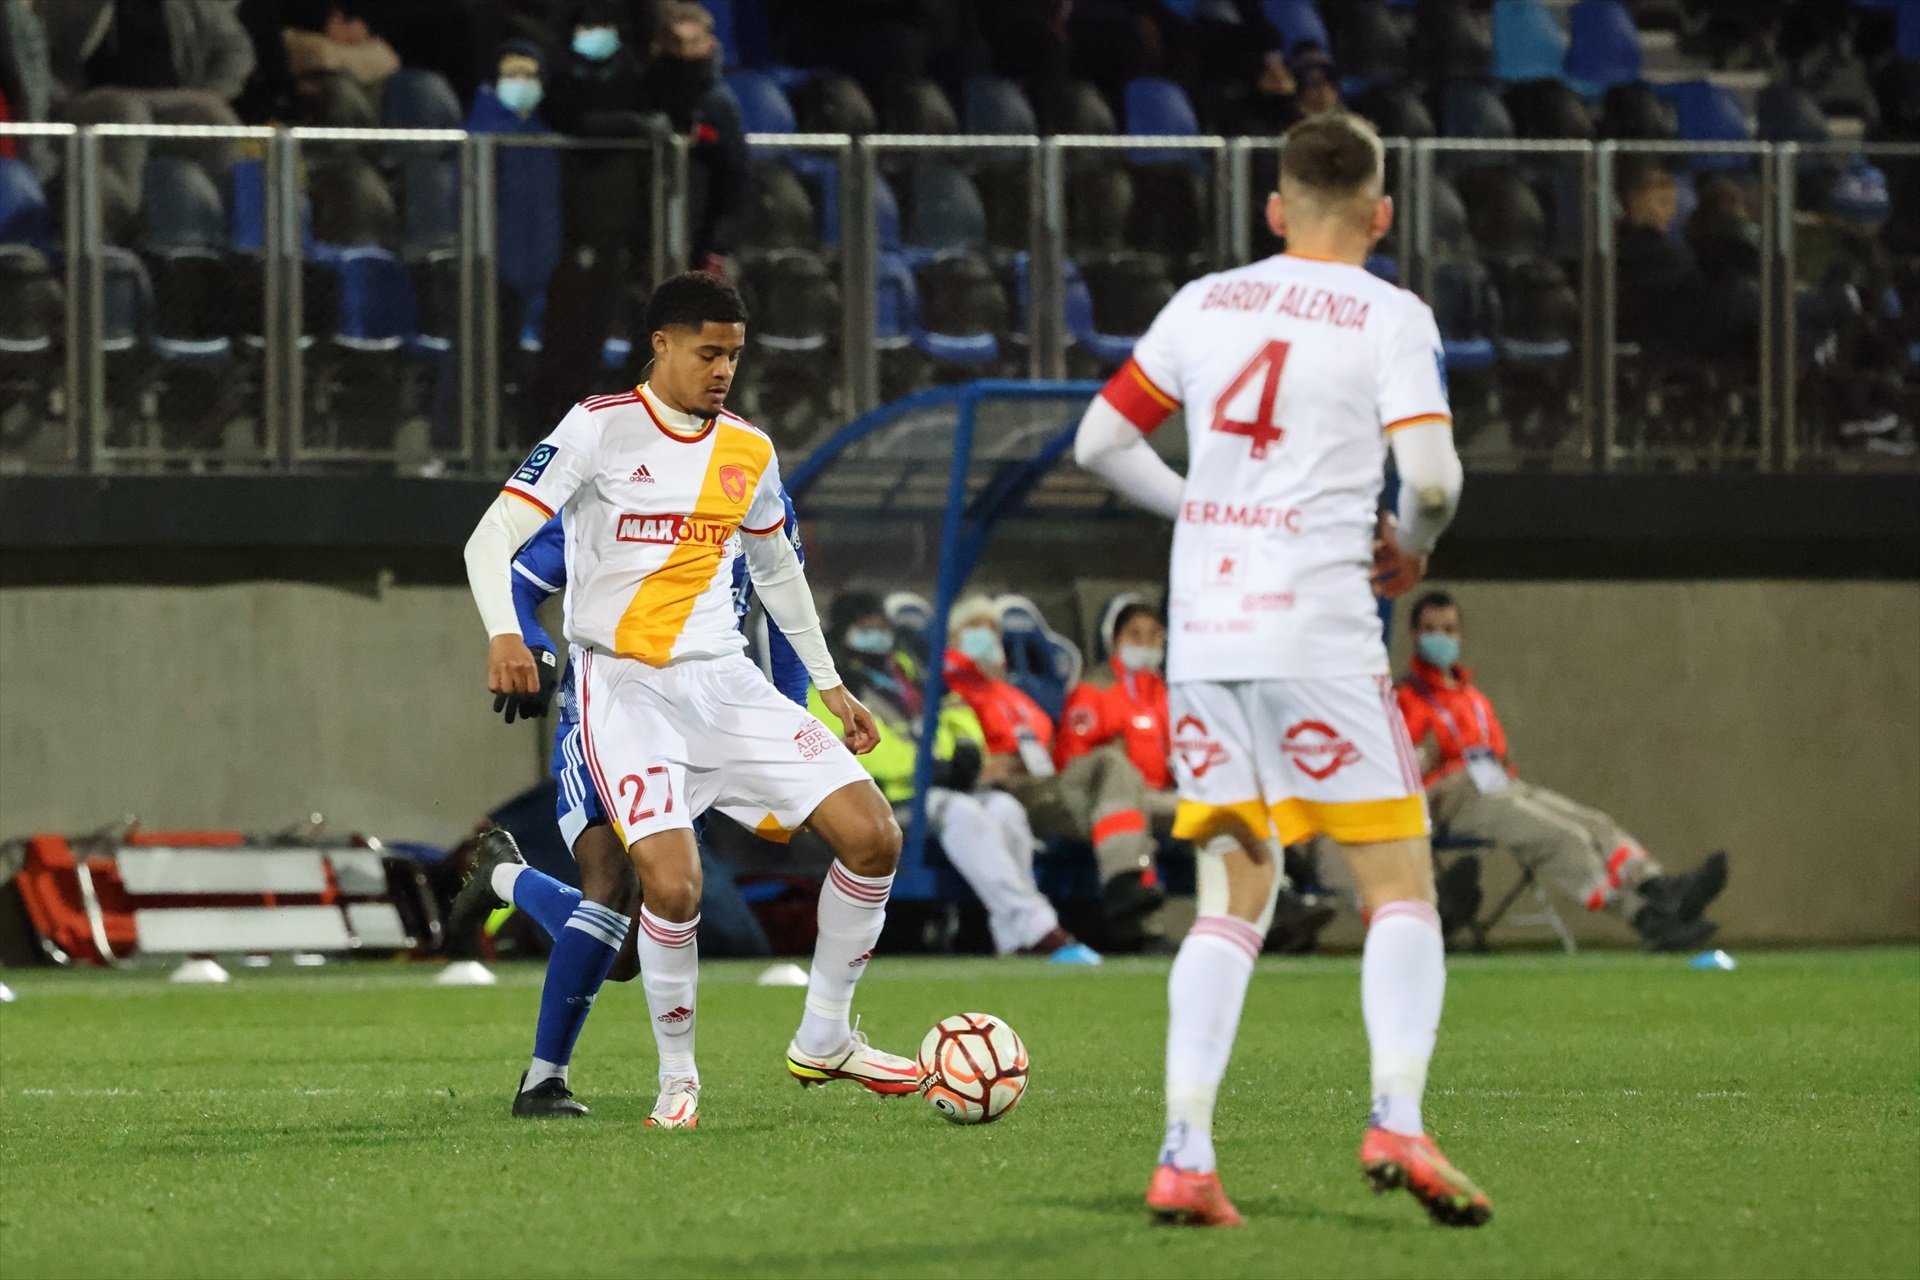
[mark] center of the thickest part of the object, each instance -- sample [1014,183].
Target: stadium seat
[179,205]
[911,614]
[30,322]
[377,312]
[1706,112]
[414,98]
[944,209]
[1127,289]
[832,104]
[126,321]
[1467,310]
[991,104]
[725,30]
[779,213]
[429,204]
[1785,113]
[763,104]
[1396,111]
[1041,663]
[794,299]
[1539,314]
[886,217]
[1106,348]
[1637,112]
[1157,107]
[1297,21]
[1469,110]
[1548,109]
[1367,44]
[193,318]
[23,206]
[962,309]
[1451,43]
[1084,111]
[1099,207]
[1504,214]
[896,312]
[918,106]
[1605,46]
[436,292]
[1449,217]
[351,204]
[1528,43]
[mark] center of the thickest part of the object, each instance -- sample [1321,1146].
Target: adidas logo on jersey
[676,1015]
[641,475]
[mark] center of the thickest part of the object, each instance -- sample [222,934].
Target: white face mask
[1142,657]
[983,646]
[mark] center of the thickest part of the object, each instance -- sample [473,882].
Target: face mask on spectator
[1439,648]
[872,641]
[983,647]
[1142,657]
[596,44]
[519,94]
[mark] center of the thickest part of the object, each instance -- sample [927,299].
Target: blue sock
[548,901]
[583,951]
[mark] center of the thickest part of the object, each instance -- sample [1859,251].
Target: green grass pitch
[1630,1117]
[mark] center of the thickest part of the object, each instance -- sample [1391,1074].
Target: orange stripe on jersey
[1418,420]
[1132,392]
[659,610]
[530,500]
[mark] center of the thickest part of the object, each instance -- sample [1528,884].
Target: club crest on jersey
[536,463]
[1317,750]
[733,482]
[1196,747]
[673,530]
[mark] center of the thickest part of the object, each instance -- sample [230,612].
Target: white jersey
[651,519]
[1292,371]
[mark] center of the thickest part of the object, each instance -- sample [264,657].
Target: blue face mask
[983,647]
[1439,648]
[873,641]
[596,44]
[519,94]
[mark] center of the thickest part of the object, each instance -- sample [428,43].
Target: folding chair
[1544,916]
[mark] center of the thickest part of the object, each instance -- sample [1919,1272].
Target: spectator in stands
[1114,41]
[146,62]
[339,69]
[26,78]
[1099,796]
[1654,269]
[593,91]
[682,83]
[1475,791]
[526,185]
[1125,702]
[985,835]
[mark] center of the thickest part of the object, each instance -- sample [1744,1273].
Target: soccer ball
[973,1068]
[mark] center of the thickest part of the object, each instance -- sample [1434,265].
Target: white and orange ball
[973,1068]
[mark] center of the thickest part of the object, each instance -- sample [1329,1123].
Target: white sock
[1205,993]
[503,877]
[852,909]
[542,1070]
[670,975]
[1403,980]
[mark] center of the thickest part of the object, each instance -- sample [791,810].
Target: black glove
[527,706]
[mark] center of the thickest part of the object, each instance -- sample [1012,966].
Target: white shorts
[1297,758]
[665,744]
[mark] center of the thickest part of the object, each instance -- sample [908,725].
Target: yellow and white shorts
[665,744]
[1294,759]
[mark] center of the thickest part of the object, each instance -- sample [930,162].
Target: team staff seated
[1099,796]
[1125,702]
[1475,791]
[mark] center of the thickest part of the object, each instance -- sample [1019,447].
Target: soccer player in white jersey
[1296,374]
[654,484]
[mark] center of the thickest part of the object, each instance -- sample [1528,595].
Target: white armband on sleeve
[780,582]
[1430,479]
[502,531]
[1113,449]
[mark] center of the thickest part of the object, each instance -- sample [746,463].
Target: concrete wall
[250,706]
[1778,720]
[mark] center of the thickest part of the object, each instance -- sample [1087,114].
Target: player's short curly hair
[693,300]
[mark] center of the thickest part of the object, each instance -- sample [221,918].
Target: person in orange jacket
[1125,702]
[1098,796]
[1474,791]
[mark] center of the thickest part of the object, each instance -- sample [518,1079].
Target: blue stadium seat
[962,307]
[763,104]
[1157,107]
[946,210]
[180,206]
[1297,21]
[1040,663]
[1467,311]
[376,302]
[192,316]
[429,204]
[991,104]
[1470,110]
[1527,41]
[418,99]
[1785,113]
[1605,48]
[886,216]
[896,300]
[127,296]
[1108,348]
[1708,113]
[23,207]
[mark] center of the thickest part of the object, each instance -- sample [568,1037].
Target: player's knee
[674,895]
[873,847]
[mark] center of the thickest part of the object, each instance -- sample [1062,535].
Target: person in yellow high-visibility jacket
[985,834]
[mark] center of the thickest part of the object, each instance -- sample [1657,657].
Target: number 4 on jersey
[1261,431]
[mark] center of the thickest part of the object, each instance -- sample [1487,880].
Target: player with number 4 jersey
[1297,376]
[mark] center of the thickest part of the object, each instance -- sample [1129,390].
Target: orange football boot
[1394,1160]
[1179,1197]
